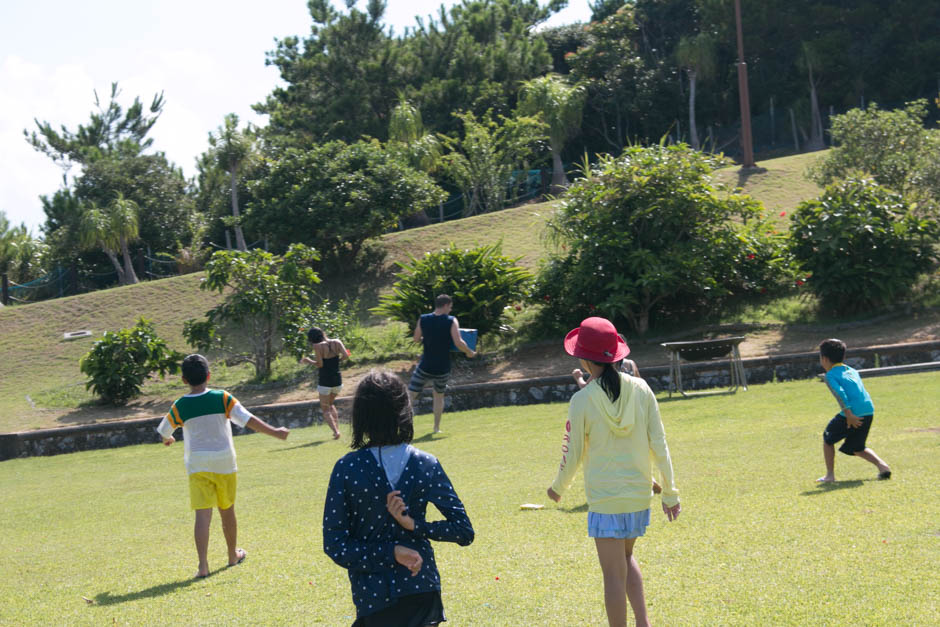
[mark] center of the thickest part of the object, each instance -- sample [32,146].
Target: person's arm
[660,450]
[578,377]
[256,424]
[456,525]
[338,542]
[458,341]
[571,449]
[418,336]
[237,413]
[635,369]
[168,425]
[343,351]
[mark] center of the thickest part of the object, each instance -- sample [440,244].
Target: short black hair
[833,350]
[441,300]
[381,413]
[315,335]
[195,369]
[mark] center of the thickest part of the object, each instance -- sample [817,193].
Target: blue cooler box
[467,335]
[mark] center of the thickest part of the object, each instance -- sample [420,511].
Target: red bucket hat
[596,340]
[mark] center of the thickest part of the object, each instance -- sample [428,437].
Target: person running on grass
[855,416]
[613,426]
[437,332]
[374,522]
[327,354]
[209,454]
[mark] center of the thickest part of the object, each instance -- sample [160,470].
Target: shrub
[862,245]
[646,233]
[119,363]
[482,281]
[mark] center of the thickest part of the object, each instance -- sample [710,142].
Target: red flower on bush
[783,213]
[799,282]
[751,256]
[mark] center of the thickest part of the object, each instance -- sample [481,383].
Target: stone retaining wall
[695,376]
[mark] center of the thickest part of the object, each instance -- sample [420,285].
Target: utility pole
[747,142]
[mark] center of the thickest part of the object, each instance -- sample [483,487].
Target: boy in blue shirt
[855,416]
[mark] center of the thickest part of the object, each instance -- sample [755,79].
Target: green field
[758,543]
[39,375]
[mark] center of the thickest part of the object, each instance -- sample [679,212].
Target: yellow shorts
[210,489]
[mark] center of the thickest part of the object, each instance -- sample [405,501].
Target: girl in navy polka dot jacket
[374,516]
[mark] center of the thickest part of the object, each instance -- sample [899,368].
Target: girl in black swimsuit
[327,354]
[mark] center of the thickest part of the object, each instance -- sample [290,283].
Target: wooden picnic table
[705,350]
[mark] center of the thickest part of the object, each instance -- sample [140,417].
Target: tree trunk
[239,236]
[559,178]
[129,274]
[117,265]
[693,131]
[815,138]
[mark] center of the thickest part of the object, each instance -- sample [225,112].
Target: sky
[206,56]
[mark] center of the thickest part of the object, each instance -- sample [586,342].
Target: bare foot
[826,479]
[201,575]
[240,556]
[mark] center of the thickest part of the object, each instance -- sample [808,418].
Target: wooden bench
[705,350]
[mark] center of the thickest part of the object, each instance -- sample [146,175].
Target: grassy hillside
[40,370]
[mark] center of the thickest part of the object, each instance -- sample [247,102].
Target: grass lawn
[758,543]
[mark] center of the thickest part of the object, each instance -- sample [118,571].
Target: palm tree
[560,106]
[410,141]
[233,148]
[697,56]
[111,229]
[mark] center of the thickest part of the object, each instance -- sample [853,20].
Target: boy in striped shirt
[209,453]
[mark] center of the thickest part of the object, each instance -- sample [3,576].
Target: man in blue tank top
[436,331]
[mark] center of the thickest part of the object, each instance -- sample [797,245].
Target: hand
[656,487]
[577,374]
[472,354]
[399,511]
[672,512]
[168,441]
[553,495]
[852,420]
[409,558]
[281,433]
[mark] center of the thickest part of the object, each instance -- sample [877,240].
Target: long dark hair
[609,380]
[381,413]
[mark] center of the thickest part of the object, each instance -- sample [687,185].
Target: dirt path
[549,358]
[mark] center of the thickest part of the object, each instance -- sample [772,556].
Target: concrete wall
[695,376]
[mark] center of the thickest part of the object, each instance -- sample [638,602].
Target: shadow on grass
[823,488]
[307,445]
[106,598]
[429,437]
[576,510]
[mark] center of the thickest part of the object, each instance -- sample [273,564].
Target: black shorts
[415,610]
[838,429]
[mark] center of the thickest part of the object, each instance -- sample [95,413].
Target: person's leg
[872,457]
[829,454]
[635,592]
[330,415]
[438,408]
[230,529]
[201,534]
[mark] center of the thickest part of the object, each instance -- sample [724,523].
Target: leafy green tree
[481,162]
[232,149]
[482,281]
[862,245]
[560,105]
[335,197]
[119,363]
[111,131]
[21,255]
[111,229]
[267,302]
[891,146]
[645,230]
[111,152]
[340,82]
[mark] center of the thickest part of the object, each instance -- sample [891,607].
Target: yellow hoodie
[616,441]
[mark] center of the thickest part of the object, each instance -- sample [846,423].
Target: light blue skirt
[632,525]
